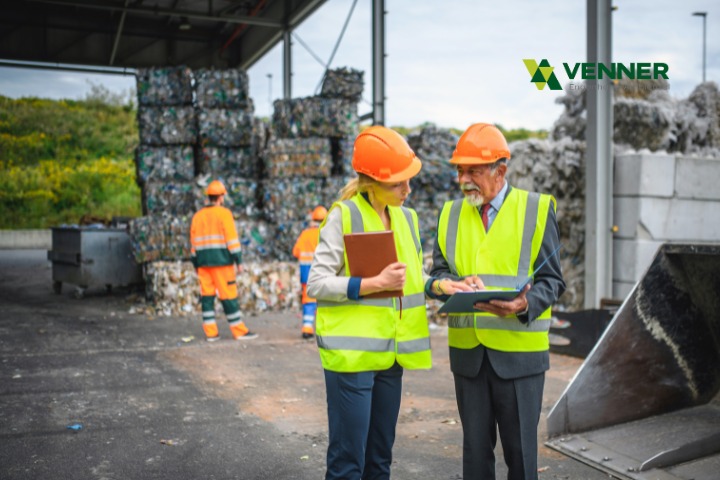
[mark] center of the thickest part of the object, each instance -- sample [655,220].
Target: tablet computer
[462,302]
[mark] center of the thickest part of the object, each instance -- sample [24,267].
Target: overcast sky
[456,62]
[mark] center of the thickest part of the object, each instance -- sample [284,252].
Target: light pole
[269,75]
[704,17]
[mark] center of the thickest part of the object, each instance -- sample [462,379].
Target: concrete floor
[155,401]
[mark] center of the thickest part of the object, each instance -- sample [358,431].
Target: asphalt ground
[91,391]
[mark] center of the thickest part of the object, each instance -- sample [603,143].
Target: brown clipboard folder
[368,253]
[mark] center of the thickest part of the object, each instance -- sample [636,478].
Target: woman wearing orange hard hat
[365,343]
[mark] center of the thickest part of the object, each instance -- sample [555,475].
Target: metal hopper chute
[646,402]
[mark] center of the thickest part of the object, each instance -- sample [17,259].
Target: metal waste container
[645,405]
[92,256]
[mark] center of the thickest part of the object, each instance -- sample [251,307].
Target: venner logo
[543,74]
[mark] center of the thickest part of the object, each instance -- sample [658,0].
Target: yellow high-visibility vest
[503,258]
[372,334]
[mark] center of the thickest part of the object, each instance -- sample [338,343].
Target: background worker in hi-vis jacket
[304,251]
[366,343]
[215,253]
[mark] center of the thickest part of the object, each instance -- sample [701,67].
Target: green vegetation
[511,135]
[522,133]
[62,160]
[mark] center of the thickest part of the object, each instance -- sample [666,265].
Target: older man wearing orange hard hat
[497,236]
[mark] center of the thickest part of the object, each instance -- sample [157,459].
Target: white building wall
[660,198]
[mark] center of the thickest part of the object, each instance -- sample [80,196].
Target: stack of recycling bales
[431,188]
[184,145]
[230,143]
[304,164]
[436,183]
[645,116]
[165,166]
[165,158]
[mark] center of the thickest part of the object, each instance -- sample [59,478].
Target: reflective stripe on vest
[380,336]
[523,211]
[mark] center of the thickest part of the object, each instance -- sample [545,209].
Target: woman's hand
[391,278]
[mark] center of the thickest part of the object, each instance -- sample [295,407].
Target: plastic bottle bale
[696,124]
[346,83]
[341,151]
[286,234]
[641,124]
[433,143]
[290,199]
[269,286]
[229,161]
[571,122]
[257,240]
[145,240]
[227,89]
[428,202]
[297,157]
[330,192]
[171,163]
[314,117]
[164,86]
[161,126]
[222,127]
[173,288]
[176,198]
[242,197]
[434,146]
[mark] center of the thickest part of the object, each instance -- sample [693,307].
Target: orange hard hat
[216,188]
[319,213]
[384,155]
[481,143]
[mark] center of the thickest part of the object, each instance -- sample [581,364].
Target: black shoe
[247,336]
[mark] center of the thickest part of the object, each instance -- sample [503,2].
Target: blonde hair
[359,184]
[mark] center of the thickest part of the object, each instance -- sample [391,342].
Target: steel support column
[378,61]
[287,65]
[599,159]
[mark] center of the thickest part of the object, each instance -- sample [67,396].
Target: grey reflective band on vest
[414,346]
[452,233]
[356,221]
[364,344]
[358,226]
[412,301]
[408,301]
[531,213]
[461,321]
[377,345]
[408,217]
[498,323]
[369,302]
[503,281]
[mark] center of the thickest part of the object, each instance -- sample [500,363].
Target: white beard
[474,200]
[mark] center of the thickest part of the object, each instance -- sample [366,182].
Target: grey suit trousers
[489,403]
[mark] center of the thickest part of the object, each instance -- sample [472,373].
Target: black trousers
[488,404]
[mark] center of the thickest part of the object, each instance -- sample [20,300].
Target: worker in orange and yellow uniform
[215,253]
[304,251]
